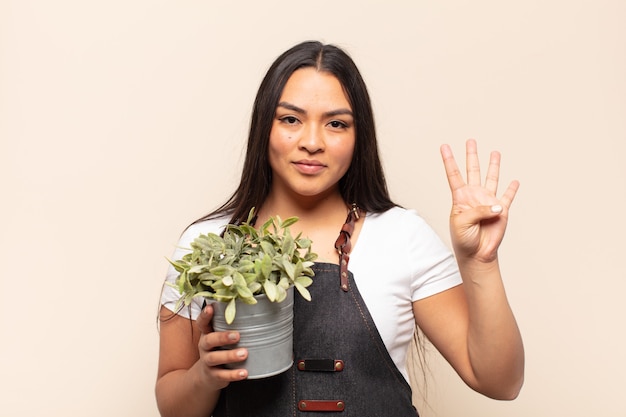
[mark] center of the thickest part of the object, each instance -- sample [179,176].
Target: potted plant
[250,275]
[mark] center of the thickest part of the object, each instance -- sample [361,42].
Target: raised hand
[478,218]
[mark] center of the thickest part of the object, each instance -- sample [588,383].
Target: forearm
[495,348]
[184,393]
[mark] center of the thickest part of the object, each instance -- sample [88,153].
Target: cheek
[347,154]
[277,148]
[281,140]
[272,155]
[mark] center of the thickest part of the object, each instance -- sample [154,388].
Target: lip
[309,166]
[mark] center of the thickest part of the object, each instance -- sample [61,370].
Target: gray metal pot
[266,330]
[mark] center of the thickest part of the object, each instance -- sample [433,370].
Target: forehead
[313,87]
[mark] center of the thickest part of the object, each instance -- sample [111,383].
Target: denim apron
[341,365]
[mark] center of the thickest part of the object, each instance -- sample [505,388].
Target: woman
[312,153]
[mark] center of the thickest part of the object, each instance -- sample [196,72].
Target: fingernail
[241,353]
[496,209]
[232,336]
[242,374]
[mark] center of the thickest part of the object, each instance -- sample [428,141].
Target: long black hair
[364,182]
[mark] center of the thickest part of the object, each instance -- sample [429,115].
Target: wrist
[476,271]
[477,263]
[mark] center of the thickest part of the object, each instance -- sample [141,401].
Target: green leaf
[281,294]
[188,298]
[204,294]
[298,269]
[303,291]
[231,231]
[255,287]
[197,269]
[181,281]
[249,277]
[218,285]
[288,246]
[230,311]
[247,230]
[178,266]
[244,292]
[266,266]
[270,290]
[225,294]
[278,222]
[268,248]
[284,283]
[245,265]
[303,243]
[289,268]
[288,222]
[239,280]
[250,215]
[222,270]
[304,281]
[267,225]
[249,300]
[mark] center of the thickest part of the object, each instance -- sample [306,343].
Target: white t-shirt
[397,259]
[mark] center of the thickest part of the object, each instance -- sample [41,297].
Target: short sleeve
[434,268]
[170,294]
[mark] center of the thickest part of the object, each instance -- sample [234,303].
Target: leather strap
[344,246]
[321,365]
[321,405]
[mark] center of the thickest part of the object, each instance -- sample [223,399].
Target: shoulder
[412,247]
[401,234]
[213,225]
[396,220]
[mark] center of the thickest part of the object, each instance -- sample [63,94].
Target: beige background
[122,121]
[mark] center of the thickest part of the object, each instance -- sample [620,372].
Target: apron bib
[341,365]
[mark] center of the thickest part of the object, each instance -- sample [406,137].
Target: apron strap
[344,246]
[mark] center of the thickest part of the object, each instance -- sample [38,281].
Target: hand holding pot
[212,358]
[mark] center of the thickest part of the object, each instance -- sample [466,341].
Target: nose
[312,139]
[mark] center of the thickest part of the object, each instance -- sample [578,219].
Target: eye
[289,120]
[337,124]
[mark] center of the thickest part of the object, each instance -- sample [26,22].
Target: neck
[304,208]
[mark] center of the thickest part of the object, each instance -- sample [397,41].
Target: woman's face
[313,135]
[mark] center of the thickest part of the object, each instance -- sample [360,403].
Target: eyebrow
[299,110]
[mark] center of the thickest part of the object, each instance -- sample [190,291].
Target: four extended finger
[493,173]
[472,163]
[455,179]
[509,194]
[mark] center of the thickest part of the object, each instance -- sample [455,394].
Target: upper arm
[178,340]
[444,320]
